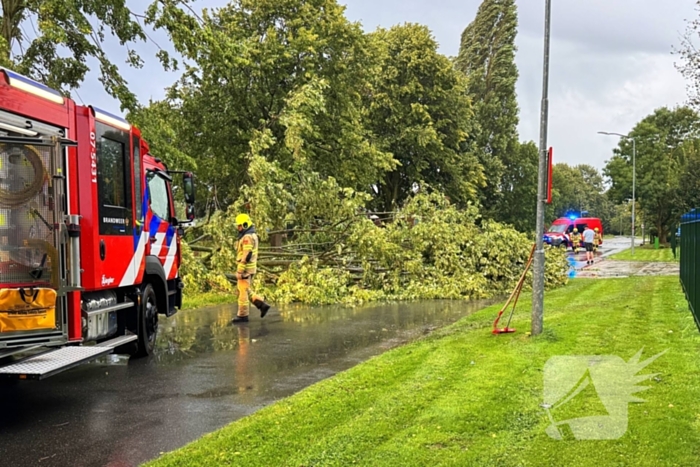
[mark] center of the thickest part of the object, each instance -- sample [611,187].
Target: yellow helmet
[244,220]
[575,230]
[596,229]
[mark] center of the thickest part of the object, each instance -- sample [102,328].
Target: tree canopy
[63,36]
[580,190]
[666,143]
[689,65]
[280,79]
[487,57]
[518,187]
[420,113]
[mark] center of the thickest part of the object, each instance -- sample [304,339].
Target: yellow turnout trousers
[246,295]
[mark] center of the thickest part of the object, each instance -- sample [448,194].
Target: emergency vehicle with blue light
[559,233]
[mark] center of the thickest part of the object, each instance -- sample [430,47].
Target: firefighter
[598,239]
[247,259]
[575,240]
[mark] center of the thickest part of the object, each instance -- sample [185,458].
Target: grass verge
[191,301]
[648,253]
[463,397]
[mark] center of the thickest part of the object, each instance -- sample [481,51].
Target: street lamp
[634,172]
[538,258]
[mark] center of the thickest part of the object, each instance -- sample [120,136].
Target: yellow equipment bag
[27,309]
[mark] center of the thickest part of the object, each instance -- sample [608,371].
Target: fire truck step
[117,341]
[55,361]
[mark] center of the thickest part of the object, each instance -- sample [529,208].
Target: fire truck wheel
[148,322]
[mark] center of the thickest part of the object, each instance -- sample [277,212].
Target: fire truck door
[115,246]
[161,232]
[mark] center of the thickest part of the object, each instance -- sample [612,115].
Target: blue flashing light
[573,217]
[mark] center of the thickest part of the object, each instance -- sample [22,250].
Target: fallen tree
[430,249]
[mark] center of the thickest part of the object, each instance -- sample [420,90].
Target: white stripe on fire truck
[158,244]
[170,259]
[135,263]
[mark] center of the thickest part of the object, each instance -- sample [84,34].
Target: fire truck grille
[28,254]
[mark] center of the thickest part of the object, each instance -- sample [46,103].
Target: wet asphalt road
[609,247]
[206,374]
[617,244]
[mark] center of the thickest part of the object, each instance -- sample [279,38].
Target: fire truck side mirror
[188,188]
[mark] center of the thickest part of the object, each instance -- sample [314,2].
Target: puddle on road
[291,348]
[303,334]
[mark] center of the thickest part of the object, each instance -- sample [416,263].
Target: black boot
[262,306]
[240,319]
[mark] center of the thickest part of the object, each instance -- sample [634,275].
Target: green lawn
[191,301]
[462,397]
[648,253]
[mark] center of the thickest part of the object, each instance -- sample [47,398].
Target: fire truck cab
[89,241]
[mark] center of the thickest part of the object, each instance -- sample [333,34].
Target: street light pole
[634,174]
[634,182]
[538,260]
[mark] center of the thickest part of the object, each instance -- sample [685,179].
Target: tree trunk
[390,191]
[12,16]
[276,240]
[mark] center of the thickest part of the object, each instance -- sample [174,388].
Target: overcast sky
[611,62]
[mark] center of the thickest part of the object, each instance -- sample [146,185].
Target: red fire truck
[89,241]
